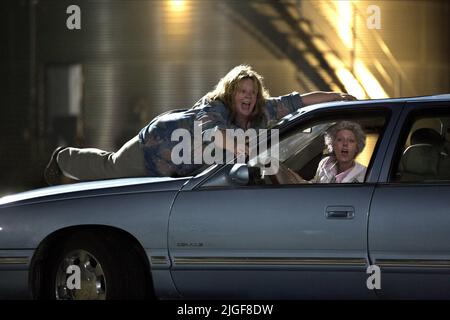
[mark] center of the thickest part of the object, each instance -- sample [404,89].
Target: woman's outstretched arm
[323,96]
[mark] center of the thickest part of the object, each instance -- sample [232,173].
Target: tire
[102,267]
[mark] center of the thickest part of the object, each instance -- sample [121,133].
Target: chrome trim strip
[268,261]
[413,263]
[14,260]
[158,260]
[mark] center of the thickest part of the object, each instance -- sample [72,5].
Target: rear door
[409,223]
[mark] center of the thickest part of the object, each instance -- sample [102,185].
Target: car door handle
[340,212]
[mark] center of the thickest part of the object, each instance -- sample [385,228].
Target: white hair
[354,127]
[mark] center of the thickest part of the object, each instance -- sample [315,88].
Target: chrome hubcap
[80,277]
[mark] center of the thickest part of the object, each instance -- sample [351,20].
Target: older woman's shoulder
[360,166]
[327,161]
[359,172]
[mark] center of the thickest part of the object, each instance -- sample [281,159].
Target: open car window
[301,150]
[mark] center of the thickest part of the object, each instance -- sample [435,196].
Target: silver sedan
[237,231]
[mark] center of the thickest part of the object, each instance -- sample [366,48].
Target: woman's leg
[96,164]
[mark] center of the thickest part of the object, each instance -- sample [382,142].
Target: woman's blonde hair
[227,86]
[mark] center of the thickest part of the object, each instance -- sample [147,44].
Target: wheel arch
[43,251]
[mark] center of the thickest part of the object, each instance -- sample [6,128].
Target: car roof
[366,103]
[439,97]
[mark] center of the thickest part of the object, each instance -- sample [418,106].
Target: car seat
[421,160]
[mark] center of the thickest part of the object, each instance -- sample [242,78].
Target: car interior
[425,154]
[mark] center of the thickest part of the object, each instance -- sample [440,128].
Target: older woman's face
[345,146]
[245,98]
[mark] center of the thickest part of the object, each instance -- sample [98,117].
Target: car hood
[93,188]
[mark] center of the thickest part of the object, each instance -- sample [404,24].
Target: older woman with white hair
[345,140]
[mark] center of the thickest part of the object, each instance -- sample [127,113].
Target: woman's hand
[322,96]
[287,176]
[342,96]
[241,150]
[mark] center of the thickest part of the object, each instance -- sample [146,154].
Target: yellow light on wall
[371,85]
[344,22]
[350,83]
[177,18]
[177,5]
[354,74]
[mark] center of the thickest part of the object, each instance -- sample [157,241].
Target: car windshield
[297,142]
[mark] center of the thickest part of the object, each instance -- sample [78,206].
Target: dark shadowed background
[133,59]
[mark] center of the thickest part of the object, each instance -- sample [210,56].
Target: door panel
[409,239]
[271,242]
[409,222]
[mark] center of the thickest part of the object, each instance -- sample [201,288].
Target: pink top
[340,176]
[327,172]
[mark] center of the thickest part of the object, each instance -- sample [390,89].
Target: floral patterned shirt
[156,137]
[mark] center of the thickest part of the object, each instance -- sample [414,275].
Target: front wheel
[94,266]
[80,276]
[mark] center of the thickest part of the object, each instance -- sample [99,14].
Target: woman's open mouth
[245,106]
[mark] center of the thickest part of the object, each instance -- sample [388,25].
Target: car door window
[303,150]
[423,152]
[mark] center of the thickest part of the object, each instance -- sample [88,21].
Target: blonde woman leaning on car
[239,101]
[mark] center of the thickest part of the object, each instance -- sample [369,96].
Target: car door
[275,241]
[409,224]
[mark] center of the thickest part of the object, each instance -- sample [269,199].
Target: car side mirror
[242,174]
[235,174]
[239,174]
